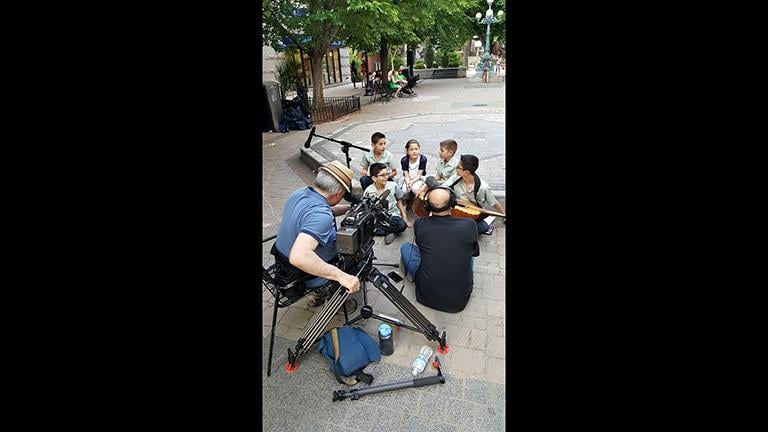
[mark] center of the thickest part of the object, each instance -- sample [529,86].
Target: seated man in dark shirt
[441,259]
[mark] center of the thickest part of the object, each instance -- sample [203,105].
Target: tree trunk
[384,56]
[317,78]
[467,53]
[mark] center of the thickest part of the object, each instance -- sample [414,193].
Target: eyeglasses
[460,168]
[382,175]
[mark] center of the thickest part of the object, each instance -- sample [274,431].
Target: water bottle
[421,360]
[385,340]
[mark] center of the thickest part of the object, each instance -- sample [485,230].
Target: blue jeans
[482,226]
[397,226]
[412,259]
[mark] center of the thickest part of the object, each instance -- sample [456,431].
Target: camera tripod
[366,273]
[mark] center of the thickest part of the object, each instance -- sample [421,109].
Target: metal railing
[333,108]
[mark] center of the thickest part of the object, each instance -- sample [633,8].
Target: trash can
[272,90]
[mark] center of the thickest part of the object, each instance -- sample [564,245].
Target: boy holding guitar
[467,185]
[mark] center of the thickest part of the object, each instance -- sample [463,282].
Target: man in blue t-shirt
[307,234]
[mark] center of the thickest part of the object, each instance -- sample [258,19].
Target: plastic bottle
[385,340]
[421,360]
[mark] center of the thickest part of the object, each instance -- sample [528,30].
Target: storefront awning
[286,43]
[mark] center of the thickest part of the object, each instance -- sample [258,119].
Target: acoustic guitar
[463,208]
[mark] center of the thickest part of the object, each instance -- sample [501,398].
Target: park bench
[381,91]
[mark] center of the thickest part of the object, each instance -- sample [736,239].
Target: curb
[314,160]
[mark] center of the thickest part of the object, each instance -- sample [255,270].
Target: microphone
[309,138]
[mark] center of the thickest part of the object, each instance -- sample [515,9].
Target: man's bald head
[439,198]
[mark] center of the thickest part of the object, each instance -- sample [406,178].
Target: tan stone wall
[269,59]
[345,72]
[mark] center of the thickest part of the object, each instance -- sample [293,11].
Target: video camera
[354,238]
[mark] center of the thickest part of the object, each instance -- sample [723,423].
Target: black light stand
[344,145]
[355,394]
[344,149]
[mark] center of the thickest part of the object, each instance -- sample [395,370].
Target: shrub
[419,64]
[286,73]
[429,56]
[398,61]
[454,59]
[443,57]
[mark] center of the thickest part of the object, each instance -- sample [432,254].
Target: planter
[457,72]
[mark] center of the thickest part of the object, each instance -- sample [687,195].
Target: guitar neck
[468,204]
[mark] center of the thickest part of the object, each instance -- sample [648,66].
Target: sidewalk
[464,109]
[473,397]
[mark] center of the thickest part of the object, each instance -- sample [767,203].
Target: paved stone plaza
[475,365]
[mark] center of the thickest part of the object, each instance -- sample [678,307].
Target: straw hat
[341,173]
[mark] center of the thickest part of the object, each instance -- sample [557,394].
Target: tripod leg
[320,322]
[407,308]
[272,337]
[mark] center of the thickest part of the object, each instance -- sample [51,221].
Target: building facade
[335,64]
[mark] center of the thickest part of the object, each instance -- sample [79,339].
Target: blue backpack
[349,350]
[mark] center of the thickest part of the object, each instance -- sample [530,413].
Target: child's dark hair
[450,145]
[470,163]
[376,137]
[376,168]
[411,141]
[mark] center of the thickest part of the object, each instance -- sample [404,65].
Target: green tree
[310,25]
[378,25]
[465,27]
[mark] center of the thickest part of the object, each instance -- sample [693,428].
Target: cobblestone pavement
[476,336]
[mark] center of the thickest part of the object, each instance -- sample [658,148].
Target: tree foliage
[378,25]
[374,26]
[310,25]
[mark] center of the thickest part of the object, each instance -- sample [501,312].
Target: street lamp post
[488,20]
